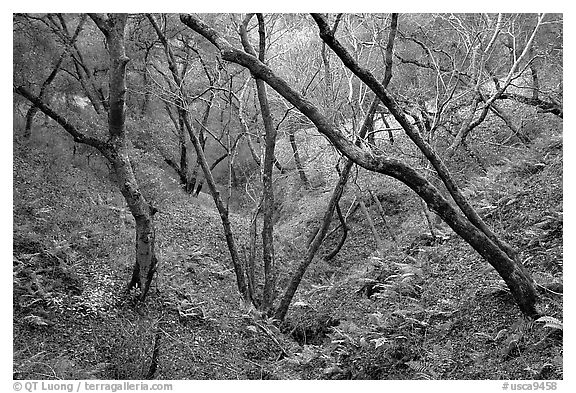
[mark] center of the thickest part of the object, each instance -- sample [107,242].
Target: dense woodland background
[287,196]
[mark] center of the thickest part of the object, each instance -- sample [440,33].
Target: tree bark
[298,161]
[143,213]
[340,244]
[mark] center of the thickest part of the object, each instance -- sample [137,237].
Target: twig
[181,342]
[226,367]
[271,335]
[548,289]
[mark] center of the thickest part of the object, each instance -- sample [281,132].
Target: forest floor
[418,309]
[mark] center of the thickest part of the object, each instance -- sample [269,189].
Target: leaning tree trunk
[514,274]
[297,160]
[321,231]
[203,163]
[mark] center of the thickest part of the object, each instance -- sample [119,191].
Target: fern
[378,342]
[422,370]
[551,322]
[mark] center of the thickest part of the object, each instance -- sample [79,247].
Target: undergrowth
[421,308]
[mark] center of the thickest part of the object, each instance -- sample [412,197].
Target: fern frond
[422,370]
[551,322]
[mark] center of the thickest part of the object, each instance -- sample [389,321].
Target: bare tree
[115,148]
[182,106]
[467,226]
[267,181]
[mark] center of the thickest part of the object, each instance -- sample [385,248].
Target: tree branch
[102,21]
[515,276]
[68,127]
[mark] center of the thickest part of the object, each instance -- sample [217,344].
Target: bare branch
[68,127]
[102,21]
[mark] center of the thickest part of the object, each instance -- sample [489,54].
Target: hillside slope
[72,261]
[419,309]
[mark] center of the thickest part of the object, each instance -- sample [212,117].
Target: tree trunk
[320,233]
[145,268]
[387,125]
[297,276]
[115,149]
[224,216]
[143,213]
[297,160]
[146,261]
[267,182]
[329,85]
[250,260]
[340,244]
[514,274]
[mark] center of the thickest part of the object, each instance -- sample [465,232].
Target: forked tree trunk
[115,149]
[297,276]
[269,292]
